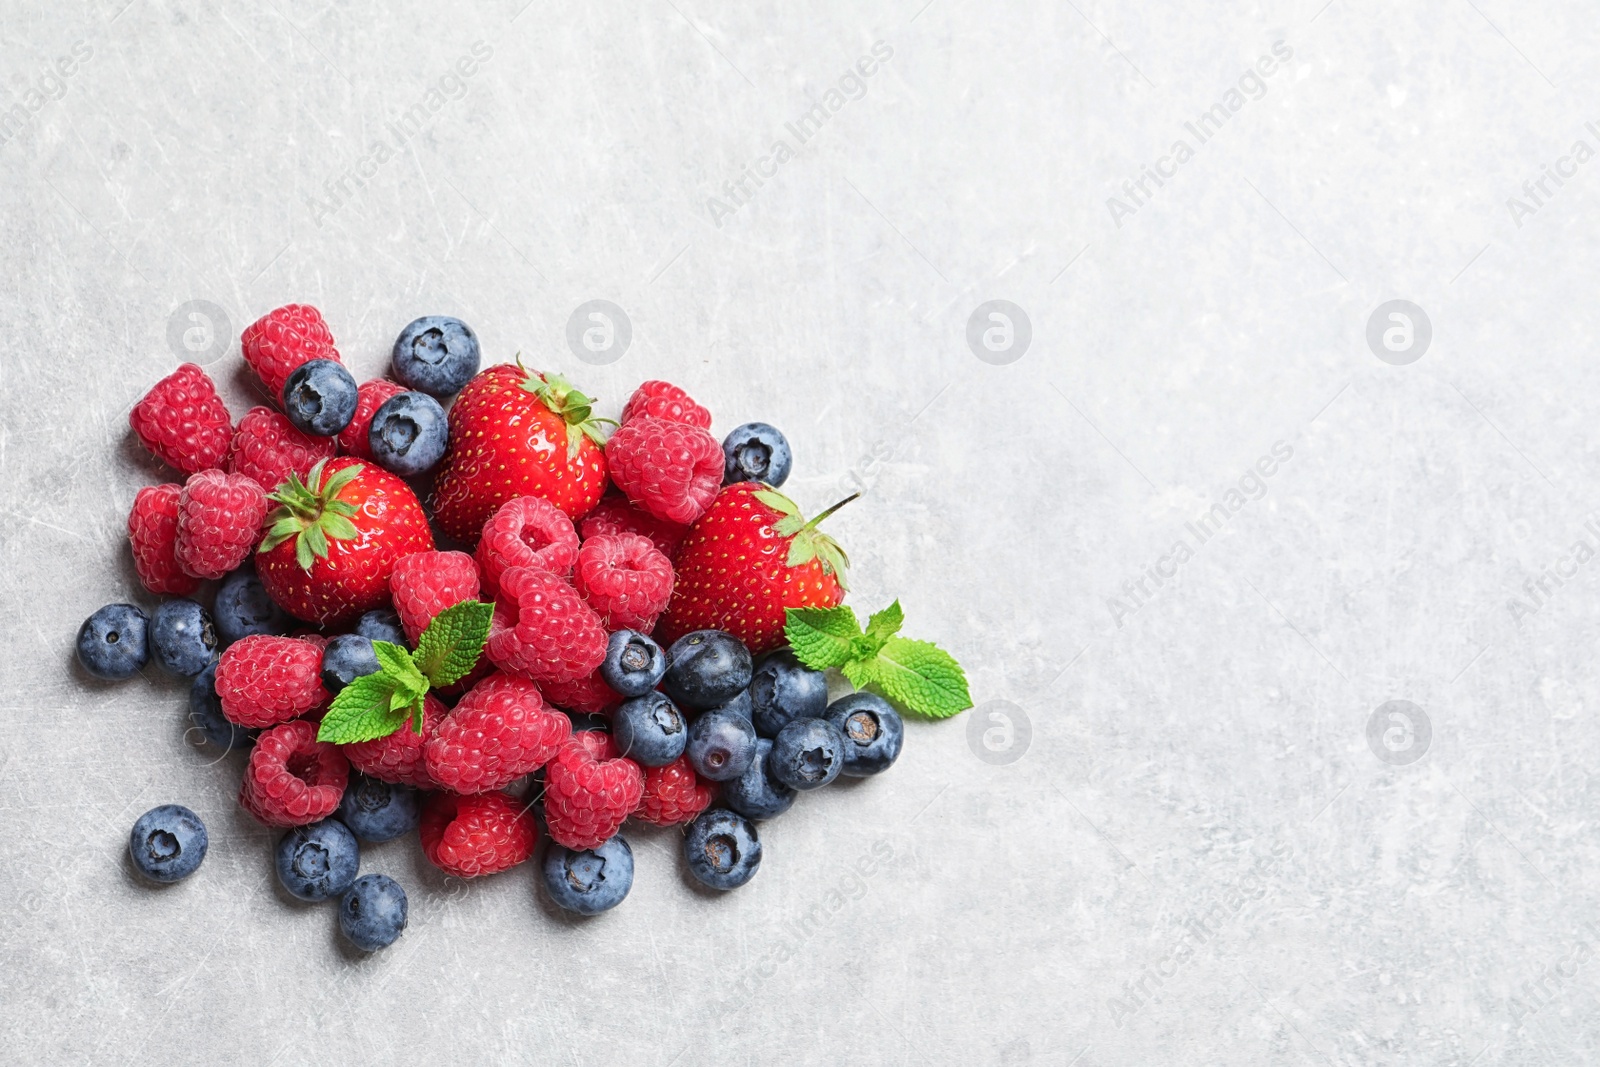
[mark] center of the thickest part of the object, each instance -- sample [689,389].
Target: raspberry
[153,533]
[183,420]
[266,447]
[264,679]
[398,758]
[625,580]
[589,694]
[425,583]
[480,834]
[279,341]
[671,470]
[369,398]
[219,519]
[588,792]
[673,794]
[666,401]
[292,778]
[527,531]
[499,732]
[615,515]
[542,629]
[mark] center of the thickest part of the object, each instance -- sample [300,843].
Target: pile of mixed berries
[607,642]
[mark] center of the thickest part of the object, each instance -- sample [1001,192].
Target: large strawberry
[515,432]
[750,556]
[335,538]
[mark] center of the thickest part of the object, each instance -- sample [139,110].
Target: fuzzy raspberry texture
[614,515]
[279,341]
[266,447]
[666,401]
[542,629]
[370,396]
[219,520]
[589,791]
[671,470]
[499,732]
[293,779]
[153,535]
[673,794]
[527,531]
[399,758]
[589,694]
[625,579]
[264,679]
[468,836]
[425,583]
[183,421]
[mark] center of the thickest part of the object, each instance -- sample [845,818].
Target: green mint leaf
[922,678]
[361,712]
[884,625]
[392,659]
[822,637]
[449,648]
[863,672]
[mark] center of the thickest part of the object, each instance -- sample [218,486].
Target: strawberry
[333,543]
[515,432]
[730,574]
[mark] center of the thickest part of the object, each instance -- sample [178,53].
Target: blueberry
[722,849]
[436,354]
[650,730]
[243,608]
[783,689]
[205,713]
[114,642]
[319,397]
[634,663]
[346,658]
[183,638]
[739,706]
[382,624]
[807,754]
[721,746]
[372,912]
[756,452]
[755,794]
[378,811]
[591,881]
[872,731]
[168,843]
[408,434]
[705,669]
[318,861]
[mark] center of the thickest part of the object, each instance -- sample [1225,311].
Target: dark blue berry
[756,452]
[372,912]
[319,861]
[807,754]
[722,848]
[650,730]
[721,746]
[634,663]
[436,354]
[739,705]
[243,608]
[705,669]
[205,713]
[754,794]
[382,624]
[182,637]
[319,397]
[409,434]
[590,881]
[114,642]
[168,843]
[346,658]
[872,731]
[378,811]
[783,689]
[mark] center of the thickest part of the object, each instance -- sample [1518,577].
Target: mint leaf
[823,637]
[882,626]
[362,711]
[453,641]
[863,672]
[921,677]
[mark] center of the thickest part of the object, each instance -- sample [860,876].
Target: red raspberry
[219,520]
[527,531]
[264,679]
[673,794]
[589,694]
[292,778]
[425,583]
[671,470]
[625,580]
[370,396]
[399,757]
[279,341]
[153,533]
[614,515]
[266,447]
[666,401]
[499,732]
[542,629]
[183,420]
[480,834]
[588,791]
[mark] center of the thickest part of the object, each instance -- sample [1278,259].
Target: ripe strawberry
[153,533]
[335,539]
[666,401]
[670,469]
[279,341]
[268,448]
[183,420]
[370,396]
[219,519]
[733,576]
[514,432]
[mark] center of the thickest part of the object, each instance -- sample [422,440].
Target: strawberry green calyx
[807,542]
[311,512]
[564,399]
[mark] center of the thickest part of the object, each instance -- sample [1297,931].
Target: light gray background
[1427,913]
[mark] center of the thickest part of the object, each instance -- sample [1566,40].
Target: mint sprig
[376,705]
[917,675]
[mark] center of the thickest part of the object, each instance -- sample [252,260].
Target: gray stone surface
[1178,845]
